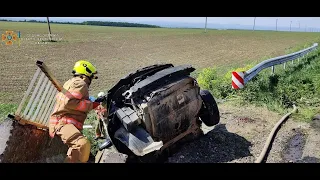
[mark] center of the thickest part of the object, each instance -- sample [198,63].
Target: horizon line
[260,27]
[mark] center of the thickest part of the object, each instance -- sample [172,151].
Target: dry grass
[117,51]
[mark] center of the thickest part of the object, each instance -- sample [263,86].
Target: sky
[268,23]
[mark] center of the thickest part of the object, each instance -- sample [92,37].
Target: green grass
[6,109]
[90,133]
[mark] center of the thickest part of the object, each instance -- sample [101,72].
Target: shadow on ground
[217,146]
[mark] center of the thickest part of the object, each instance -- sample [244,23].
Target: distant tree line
[93,23]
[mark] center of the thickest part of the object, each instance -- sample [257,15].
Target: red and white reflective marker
[237,80]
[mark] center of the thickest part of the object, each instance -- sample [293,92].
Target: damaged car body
[154,107]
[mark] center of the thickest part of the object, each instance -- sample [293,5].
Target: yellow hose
[271,136]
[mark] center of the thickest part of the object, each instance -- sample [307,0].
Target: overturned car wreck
[153,108]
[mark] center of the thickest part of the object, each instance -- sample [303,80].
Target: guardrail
[239,79]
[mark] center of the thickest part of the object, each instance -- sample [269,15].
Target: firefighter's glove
[91,98]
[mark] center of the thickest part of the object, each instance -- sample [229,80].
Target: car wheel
[209,112]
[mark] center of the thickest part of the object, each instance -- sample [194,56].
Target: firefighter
[71,111]
[99,126]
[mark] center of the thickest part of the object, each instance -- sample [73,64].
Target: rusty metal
[172,109]
[194,127]
[22,121]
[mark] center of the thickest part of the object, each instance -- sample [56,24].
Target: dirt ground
[241,134]
[238,138]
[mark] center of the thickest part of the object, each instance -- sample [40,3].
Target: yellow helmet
[86,68]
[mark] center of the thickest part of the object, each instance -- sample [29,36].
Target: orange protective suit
[68,117]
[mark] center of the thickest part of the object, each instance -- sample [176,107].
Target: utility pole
[254,23]
[205,26]
[276,24]
[49,29]
[290,25]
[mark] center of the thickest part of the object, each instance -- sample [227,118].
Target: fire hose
[272,135]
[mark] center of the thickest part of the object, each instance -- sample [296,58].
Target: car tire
[209,112]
